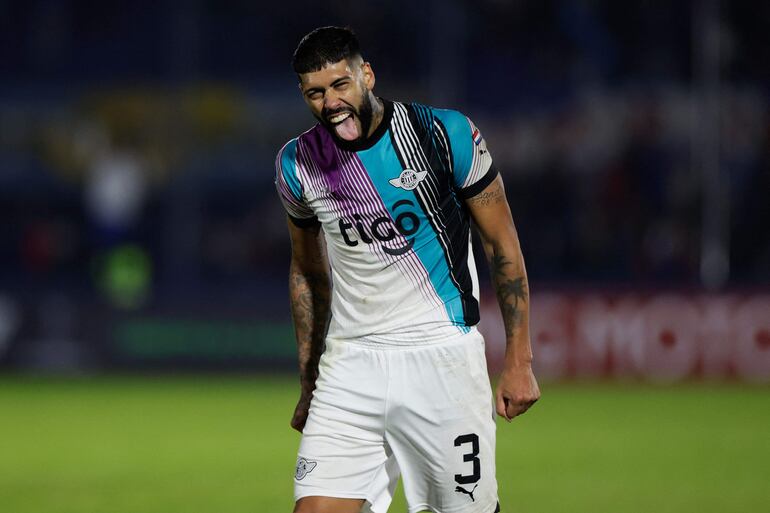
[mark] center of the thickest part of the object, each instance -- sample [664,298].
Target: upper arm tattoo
[490,196]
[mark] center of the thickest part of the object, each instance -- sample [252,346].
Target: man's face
[338,96]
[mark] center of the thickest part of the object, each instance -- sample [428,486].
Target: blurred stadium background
[146,351]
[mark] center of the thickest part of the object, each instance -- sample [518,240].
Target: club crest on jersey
[304,467]
[408,179]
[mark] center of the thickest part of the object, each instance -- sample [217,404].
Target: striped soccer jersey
[396,229]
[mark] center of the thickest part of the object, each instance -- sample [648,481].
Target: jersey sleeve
[472,165]
[290,188]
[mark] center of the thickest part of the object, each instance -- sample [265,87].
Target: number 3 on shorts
[473,439]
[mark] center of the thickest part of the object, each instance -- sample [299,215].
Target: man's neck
[377,113]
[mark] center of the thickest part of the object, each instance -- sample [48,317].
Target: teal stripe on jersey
[377,161]
[289,168]
[459,130]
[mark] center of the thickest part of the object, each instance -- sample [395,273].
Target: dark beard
[365,114]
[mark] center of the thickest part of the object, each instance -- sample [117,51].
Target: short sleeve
[289,187]
[472,167]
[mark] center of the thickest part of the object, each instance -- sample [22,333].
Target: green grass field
[223,445]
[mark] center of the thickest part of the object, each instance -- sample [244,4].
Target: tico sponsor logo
[383,229]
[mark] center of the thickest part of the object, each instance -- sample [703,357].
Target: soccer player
[384,295]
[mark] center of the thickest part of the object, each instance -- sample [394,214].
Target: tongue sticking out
[347,130]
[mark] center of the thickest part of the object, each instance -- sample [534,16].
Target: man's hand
[301,411]
[517,390]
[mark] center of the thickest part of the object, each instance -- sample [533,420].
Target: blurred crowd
[137,142]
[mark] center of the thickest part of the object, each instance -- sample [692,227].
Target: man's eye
[315,95]
[342,85]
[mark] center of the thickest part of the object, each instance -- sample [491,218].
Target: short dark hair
[325,45]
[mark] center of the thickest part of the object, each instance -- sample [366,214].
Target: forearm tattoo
[510,291]
[310,304]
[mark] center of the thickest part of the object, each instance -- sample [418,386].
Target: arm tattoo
[310,306]
[486,198]
[510,290]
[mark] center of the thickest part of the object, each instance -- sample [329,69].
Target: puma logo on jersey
[466,492]
[304,467]
[408,179]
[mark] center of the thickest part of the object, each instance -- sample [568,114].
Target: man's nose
[331,100]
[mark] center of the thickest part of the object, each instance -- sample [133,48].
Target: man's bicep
[491,213]
[307,246]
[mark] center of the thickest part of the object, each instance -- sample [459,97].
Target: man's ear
[368,75]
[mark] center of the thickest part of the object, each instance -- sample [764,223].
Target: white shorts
[424,412]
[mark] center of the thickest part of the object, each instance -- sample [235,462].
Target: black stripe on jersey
[423,145]
[479,186]
[442,138]
[439,150]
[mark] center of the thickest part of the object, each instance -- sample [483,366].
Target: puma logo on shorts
[470,494]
